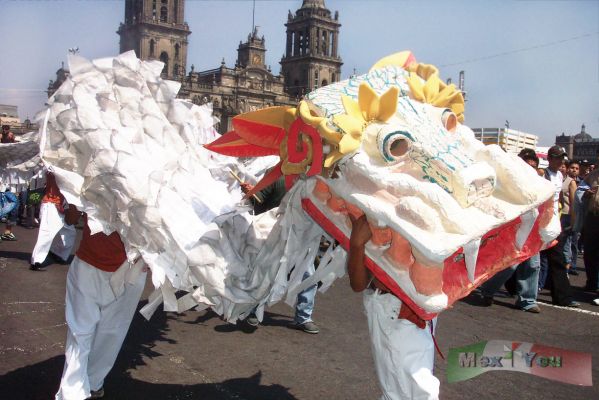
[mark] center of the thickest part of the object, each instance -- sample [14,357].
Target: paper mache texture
[128,153]
[446,211]
[20,161]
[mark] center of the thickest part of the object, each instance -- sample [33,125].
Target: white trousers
[98,322]
[403,353]
[54,235]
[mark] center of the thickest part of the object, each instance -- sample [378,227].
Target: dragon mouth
[434,284]
[388,246]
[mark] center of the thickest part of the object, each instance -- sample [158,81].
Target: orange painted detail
[380,236]
[321,191]
[353,210]
[337,204]
[427,280]
[377,271]
[400,252]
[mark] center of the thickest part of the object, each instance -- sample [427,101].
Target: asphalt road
[196,355]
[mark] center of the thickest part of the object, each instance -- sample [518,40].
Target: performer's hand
[246,187]
[360,232]
[72,215]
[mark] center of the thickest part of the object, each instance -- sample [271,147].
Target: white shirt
[556,179]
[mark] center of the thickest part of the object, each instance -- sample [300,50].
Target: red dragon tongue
[231,144]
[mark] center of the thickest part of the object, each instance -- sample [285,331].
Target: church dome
[582,136]
[313,4]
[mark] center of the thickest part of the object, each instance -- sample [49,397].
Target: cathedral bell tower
[252,52]
[311,59]
[156,30]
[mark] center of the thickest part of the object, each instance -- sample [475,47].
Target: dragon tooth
[470,257]
[527,221]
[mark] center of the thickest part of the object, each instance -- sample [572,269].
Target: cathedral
[156,30]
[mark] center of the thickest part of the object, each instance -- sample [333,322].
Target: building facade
[580,146]
[311,57]
[510,140]
[9,115]
[156,29]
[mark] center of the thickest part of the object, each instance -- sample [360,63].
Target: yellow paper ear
[349,124]
[369,102]
[349,144]
[388,104]
[416,87]
[306,115]
[351,107]
[431,88]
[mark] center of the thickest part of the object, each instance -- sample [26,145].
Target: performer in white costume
[52,224]
[101,298]
[402,344]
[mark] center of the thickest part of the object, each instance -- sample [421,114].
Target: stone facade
[249,85]
[580,146]
[156,30]
[311,57]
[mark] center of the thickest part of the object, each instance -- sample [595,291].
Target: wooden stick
[238,179]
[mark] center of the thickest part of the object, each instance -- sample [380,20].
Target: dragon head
[446,211]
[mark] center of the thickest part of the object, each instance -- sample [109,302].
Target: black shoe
[57,259]
[572,304]
[573,272]
[37,267]
[486,301]
[96,394]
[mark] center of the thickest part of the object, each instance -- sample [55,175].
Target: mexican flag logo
[530,358]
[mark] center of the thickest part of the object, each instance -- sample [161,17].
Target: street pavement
[196,355]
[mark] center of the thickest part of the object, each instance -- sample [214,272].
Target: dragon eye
[394,145]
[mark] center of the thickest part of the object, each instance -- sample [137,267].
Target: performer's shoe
[57,259]
[572,304]
[534,309]
[252,320]
[573,272]
[37,267]
[308,327]
[9,237]
[486,301]
[96,394]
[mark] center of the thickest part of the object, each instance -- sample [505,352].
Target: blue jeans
[527,277]
[544,270]
[490,287]
[570,239]
[527,280]
[574,249]
[305,301]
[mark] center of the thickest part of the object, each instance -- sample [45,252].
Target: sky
[534,63]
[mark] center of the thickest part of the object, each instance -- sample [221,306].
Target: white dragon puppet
[446,212]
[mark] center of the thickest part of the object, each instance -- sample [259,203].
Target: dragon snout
[473,182]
